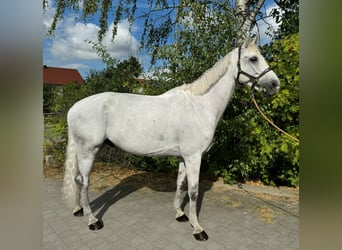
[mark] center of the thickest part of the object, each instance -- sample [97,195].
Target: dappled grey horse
[180,122]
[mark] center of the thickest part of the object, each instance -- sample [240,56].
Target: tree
[118,78]
[288,17]
[162,17]
[199,41]
[246,12]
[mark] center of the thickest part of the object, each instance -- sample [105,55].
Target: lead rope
[267,119]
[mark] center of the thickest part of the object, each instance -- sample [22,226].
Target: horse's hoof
[96,225]
[79,213]
[182,218]
[202,236]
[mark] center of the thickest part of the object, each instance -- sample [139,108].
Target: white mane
[209,77]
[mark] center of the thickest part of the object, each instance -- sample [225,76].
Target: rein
[254,80]
[270,122]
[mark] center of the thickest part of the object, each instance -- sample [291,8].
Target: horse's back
[97,115]
[140,124]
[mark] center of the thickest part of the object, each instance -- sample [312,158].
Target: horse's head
[253,69]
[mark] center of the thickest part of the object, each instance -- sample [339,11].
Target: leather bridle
[253,79]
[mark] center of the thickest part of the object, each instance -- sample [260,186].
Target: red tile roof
[54,75]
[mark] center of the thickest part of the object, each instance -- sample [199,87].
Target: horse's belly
[164,125]
[144,145]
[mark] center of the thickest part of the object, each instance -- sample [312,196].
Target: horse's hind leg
[78,210]
[181,181]
[85,162]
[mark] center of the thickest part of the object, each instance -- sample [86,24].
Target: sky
[68,48]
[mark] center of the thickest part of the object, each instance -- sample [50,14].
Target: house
[53,77]
[57,76]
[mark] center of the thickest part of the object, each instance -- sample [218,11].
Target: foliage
[159,19]
[163,19]
[199,41]
[287,15]
[47,98]
[118,78]
[55,133]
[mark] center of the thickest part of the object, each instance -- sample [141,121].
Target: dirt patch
[104,176]
[53,172]
[266,214]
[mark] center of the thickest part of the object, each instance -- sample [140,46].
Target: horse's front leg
[181,181]
[193,164]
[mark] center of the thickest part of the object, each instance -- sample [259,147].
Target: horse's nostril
[274,84]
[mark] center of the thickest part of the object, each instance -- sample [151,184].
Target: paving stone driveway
[143,218]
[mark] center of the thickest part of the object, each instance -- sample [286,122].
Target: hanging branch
[160,20]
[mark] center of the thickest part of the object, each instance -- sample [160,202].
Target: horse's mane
[209,78]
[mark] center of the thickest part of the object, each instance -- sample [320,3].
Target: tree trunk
[245,16]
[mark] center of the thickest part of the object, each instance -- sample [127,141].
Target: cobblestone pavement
[143,218]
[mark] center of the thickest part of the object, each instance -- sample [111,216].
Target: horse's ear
[246,42]
[251,40]
[255,39]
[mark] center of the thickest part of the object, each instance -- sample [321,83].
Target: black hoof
[182,218]
[79,213]
[202,236]
[96,226]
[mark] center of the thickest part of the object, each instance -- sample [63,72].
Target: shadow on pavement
[130,184]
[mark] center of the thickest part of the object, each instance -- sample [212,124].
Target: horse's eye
[253,59]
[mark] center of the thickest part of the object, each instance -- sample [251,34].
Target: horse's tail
[70,190]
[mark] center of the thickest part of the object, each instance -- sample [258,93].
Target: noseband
[253,79]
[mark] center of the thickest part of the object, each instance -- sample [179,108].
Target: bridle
[253,79]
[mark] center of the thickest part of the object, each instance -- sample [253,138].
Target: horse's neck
[217,98]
